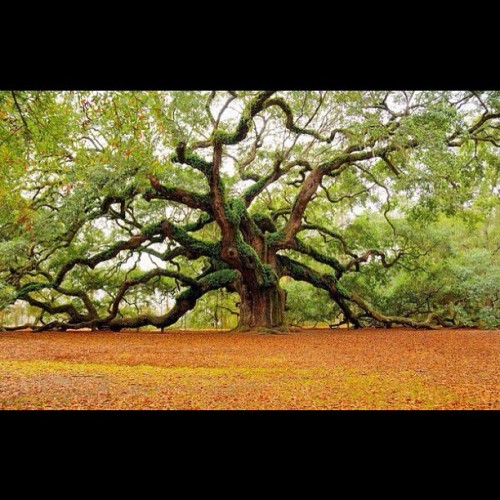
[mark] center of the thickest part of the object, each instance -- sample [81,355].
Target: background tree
[113,201]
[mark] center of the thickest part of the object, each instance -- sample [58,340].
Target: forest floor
[310,369]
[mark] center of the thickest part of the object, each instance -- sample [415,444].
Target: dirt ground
[310,369]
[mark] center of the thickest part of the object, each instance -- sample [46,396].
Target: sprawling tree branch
[254,107]
[188,198]
[184,302]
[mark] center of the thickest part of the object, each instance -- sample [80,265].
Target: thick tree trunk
[262,309]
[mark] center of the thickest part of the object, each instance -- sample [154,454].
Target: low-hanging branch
[184,302]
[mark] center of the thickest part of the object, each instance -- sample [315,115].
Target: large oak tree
[215,190]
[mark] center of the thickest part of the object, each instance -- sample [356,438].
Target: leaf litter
[312,369]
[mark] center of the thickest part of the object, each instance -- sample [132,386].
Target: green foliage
[451,269]
[216,309]
[308,305]
[11,251]
[8,295]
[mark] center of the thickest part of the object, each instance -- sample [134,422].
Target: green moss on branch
[264,222]
[202,221]
[181,236]
[269,276]
[318,256]
[212,281]
[244,125]
[275,238]
[235,211]
[193,160]
[251,192]
[32,287]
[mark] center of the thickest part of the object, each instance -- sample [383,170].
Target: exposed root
[344,322]
[15,328]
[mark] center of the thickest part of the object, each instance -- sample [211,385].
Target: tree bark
[261,309]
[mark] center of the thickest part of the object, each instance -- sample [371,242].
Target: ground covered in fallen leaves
[310,369]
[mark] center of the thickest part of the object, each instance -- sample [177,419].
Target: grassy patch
[222,387]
